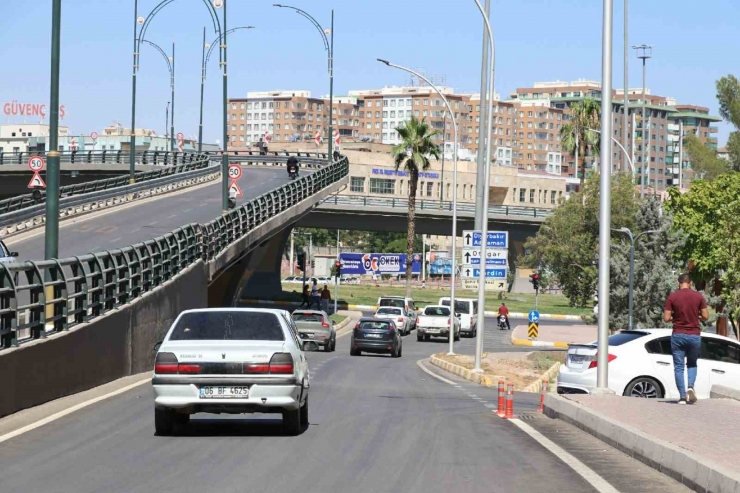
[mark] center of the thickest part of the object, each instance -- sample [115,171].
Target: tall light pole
[629,160]
[486,190]
[454,192]
[329,47]
[170,60]
[643,52]
[602,374]
[51,236]
[483,114]
[633,240]
[205,57]
[139,34]
[166,119]
[625,108]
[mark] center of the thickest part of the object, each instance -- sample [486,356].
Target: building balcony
[713,130]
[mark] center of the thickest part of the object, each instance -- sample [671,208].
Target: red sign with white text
[14,108]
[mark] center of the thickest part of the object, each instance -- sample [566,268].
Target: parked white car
[232,361]
[641,365]
[398,315]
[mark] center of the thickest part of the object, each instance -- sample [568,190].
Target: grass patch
[338,318]
[368,294]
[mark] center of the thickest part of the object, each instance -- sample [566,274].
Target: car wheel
[457,336]
[426,337]
[164,421]
[292,422]
[395,352]
[333,345]
[419,337]
[644,387]
[182,419]
[304,413]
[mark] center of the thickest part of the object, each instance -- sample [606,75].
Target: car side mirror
[158,345]
[13,254]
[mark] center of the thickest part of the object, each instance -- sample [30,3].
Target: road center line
[70,410]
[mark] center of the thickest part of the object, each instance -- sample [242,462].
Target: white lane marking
[599,483]
[155,222]
[203,205]
[70,410]
[173,215]
[116,239]
[135,230]
[187,210]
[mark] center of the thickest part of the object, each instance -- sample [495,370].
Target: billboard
[378,263]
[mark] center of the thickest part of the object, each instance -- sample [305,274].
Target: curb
[530,343]
[697,473]
[478,378]
[536,386]
[723,392]
[544,316]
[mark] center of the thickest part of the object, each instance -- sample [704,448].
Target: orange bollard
[542,397]
[509,402]
[501,410]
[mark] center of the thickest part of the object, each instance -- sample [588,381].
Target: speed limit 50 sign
[36,163]
[235,171]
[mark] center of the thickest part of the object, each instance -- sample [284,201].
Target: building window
[531,196]
[430,188]
[522,194]
[382,185]
[513,196]
[357,184]
[552,197]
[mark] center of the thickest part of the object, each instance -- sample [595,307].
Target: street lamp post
[647,52]
[170,60]
[629,160]
[205,57]
[625,108]
[454,193]
[138,37]
[633,240]
[51,236]
[483,113]
[486,191]
[329,47]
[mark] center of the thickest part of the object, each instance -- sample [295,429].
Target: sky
[695,44]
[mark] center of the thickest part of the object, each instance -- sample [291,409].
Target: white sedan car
[399,317]
[641,365]
[232,361]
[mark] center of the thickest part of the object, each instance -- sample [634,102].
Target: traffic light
[535,280]
[337,269]
[301,264]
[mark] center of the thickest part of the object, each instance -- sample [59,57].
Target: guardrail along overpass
[59,317]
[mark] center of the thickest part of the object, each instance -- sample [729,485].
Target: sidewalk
[555,335]
[698,445]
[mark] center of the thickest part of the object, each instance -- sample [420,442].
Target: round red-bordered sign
[94,136]
[235,171]
[36,163]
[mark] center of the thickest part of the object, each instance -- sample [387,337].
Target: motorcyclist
[292,165]
[504,312]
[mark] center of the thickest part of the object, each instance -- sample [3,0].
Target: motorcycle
[293,172]
[502,322]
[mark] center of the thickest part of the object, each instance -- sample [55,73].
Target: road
[139,221]
[376,425]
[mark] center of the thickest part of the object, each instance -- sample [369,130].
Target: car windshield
[375,325]
[392,302]
[460,306]
[624,337]
[437,311]
[390,311]
[228,326]
[3,250]
[308,317]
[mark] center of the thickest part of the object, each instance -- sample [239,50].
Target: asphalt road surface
[377,424]
[146,220]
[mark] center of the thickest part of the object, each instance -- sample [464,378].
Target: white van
[467,308]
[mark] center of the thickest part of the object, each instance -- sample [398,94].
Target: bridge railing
[38,298]
[158,158]
[432,205]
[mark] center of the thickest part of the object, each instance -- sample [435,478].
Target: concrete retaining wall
[115,345]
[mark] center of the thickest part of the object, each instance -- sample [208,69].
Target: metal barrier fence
[430,205]
[38,298]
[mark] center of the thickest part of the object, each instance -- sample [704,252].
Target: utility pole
[643,52]
[680,154]
[292,247]
[51,236]
[625,108]
[481,159]
[172,88]
[337,281]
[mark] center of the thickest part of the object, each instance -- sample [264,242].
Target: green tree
[728,95]
[584,118]
[413,155]
[656,267]
[708,217]
[704,160]
[567,244]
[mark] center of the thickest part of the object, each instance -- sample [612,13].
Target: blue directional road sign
[496,273]
[489,261]
[496,239]
[534,317]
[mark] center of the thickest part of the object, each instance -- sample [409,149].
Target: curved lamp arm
[213,44]
[161,51]
[311,19]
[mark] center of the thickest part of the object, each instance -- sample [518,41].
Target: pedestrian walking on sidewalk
[685,308]
[325,298]
[315,298]
[304,297]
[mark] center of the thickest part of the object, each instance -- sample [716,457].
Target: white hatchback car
[641,365]
[233,361]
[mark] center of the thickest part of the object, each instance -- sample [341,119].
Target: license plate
[578,359]
[374,336]
[224,392]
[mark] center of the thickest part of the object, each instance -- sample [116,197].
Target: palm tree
[413,155]
[584,115]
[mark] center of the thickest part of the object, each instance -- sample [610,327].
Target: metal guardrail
[431,205]
[164,158]
[38,298]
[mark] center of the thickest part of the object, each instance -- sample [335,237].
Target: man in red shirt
[684,308]
[503,311]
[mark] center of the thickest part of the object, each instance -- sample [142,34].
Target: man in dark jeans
[684,308]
